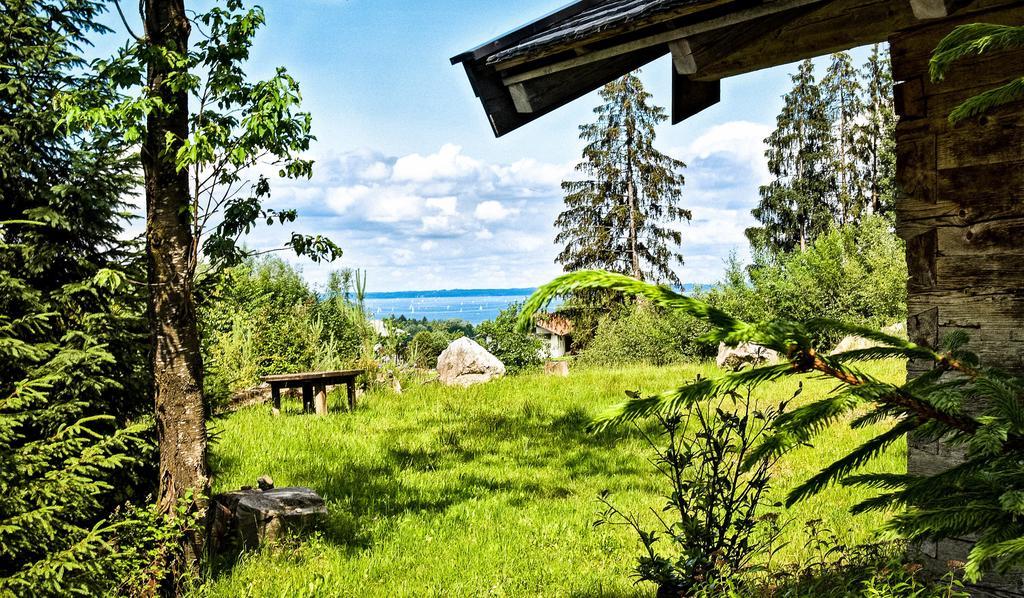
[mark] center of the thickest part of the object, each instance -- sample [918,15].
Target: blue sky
[414,187]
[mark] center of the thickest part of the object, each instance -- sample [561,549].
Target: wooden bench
[314,388]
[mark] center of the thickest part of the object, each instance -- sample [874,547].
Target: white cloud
[447,163]
[445,219]
[741,140]
[446,205]
[491,211]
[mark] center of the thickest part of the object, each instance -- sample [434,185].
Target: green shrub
[426,346]
[262,318]
[712,519]
[517,349]
[856,274]
[641,333]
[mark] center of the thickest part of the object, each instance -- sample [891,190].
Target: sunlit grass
[489,490]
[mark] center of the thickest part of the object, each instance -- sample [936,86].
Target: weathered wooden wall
[961,212]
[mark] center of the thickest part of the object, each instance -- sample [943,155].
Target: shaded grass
[489,490]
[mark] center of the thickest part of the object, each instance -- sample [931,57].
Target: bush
[714,496]
[642,333]
[426,346]
[856,274]
[517,349]
[261,318]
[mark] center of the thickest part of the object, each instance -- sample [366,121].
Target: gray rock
[744,354]
[854,342]
[265,482]
[465,362]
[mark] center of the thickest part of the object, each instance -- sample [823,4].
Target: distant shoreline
[514,292]
[510,292]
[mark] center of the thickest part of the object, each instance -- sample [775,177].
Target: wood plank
[992,139]
[626,31]
[657,39]
[534,97]
[682,57]
[838,25]
[690,97]
[320,399]
[311,375]
[912,49]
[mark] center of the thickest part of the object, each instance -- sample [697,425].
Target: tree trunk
[634,252]
[177,365]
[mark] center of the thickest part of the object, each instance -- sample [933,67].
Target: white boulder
[735,358]
[854,342]
[465,362]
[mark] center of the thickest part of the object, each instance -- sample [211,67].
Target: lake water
[474,306]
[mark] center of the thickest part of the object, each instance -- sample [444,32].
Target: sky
[410,181]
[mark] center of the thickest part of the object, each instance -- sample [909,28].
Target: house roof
[579,47]
[555,324]
[602,16]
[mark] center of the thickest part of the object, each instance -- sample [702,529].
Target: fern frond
[988,100]
[876,353]
[880,481]
[882,502]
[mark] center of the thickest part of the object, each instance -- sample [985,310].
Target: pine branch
[853,460]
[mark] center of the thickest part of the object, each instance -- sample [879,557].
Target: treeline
[831,155]
[824,245]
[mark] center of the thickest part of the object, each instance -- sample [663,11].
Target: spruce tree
[794,209]
[71,349]
[842,95]
[618,216]
[875,136]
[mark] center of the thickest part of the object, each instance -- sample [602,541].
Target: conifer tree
[618,216]
[793,209]
[842,95]
[71,348]
[875,137]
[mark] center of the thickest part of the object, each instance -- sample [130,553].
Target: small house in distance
[556,332]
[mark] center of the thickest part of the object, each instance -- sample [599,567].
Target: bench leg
[307,398]
[351,387]
[320,400]
[275,396]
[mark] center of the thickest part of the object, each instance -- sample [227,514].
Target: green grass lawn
[489,490]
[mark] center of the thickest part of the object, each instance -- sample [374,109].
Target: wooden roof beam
[931,9]
[682,57]
[690,96]
[659,39]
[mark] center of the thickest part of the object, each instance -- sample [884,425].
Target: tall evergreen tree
[618,216]
[875,139]
[794,209]
[842,95]
[71,349]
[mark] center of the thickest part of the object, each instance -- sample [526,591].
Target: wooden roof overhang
[566,54]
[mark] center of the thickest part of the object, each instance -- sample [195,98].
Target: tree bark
[177,366]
